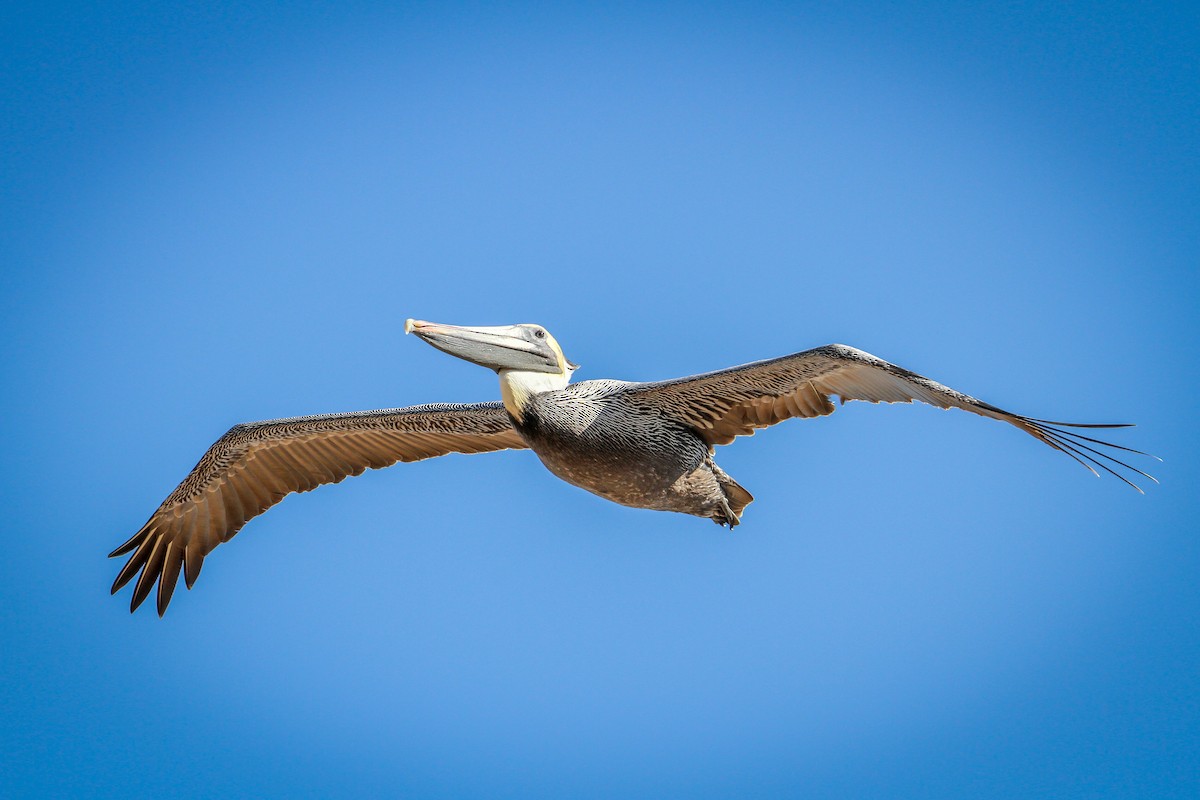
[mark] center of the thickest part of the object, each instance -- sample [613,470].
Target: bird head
[516,348]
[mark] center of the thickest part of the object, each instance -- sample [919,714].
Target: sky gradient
[225,214]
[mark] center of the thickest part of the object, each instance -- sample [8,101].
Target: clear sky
[222,214]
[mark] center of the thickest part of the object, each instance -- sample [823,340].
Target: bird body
[597,436]
[646,445]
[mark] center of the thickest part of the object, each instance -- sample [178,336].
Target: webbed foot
[725,516]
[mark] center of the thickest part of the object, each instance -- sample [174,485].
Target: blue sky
[221,214]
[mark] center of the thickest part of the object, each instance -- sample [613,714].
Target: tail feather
[735,493]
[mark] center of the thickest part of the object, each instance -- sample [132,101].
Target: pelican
[646,445]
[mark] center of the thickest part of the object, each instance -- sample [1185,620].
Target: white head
[527,358]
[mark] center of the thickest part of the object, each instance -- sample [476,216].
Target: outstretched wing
[257,464]
[736,401]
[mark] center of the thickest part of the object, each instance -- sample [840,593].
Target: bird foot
[725,517]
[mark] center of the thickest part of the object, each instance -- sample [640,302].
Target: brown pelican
[646,445]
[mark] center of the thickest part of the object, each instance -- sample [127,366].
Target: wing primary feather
[149,573]
[193,560]
[1074,435]
[133,541]
[1057,435]
[172,561]
[135,561]
[1084,424]
[1078,441]
[1071,448]
[1063,447]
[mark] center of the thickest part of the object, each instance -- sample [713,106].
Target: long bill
[503,347]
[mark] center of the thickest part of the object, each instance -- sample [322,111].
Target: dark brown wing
[255,465]
[736,401]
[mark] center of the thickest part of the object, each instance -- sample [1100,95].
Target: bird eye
[540,334]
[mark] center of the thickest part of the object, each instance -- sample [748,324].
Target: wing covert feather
[255,465]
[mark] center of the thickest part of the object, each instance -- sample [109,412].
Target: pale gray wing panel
[255,465]
[736,401]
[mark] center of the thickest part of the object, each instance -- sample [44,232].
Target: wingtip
[131,543]
[1075,445]
[1073,424]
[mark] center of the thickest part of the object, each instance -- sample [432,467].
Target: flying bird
[646,445]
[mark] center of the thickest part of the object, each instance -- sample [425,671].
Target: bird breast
[590,436]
